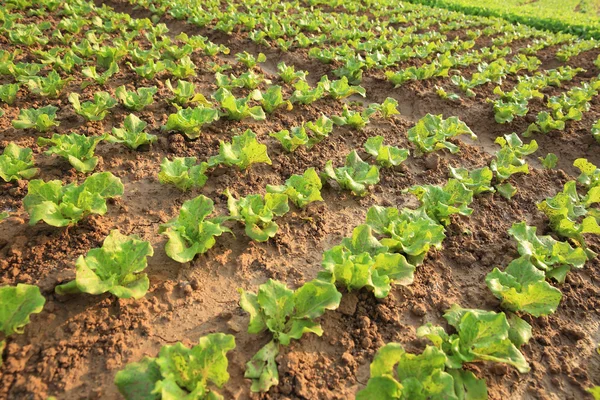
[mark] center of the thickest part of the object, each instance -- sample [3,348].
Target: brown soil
[73,349]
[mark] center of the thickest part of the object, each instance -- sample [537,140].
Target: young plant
[249,60]
[17,163]
[179,372]
[319,128]
[59,205]
[386,156]
[289,75]
[353,118]
[304,94]
[8,92]
[185,93]
[50,86]
[243,151]
[17,303]
[136,101]
[149,69]
[257,213]
[237,109]
[340,89]
[41,119]
[190,121]
[99,79]
[184,69]
[356,175]
[478,180]
[93,110]
[192,233]
[272,99]
[439,202]
[362,261]
[291,140]
[287,314]
[132,133]
[432,133]
[301,189]
[183,172]
[75,148]
[590,174]
[116,268]
[388,108]
[509,159]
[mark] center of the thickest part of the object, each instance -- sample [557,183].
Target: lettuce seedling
[179,372]
[192,233]
[185,93]
[8,92]
[340,89]
[304,94]
[50,86]
[432,131]
[93,110]
[17,303]
[353,118]
[149,69]
[509,160]
[522,287]
[257,213]
[100,79]
[478,180]
[17,163]
[291,140]
[249,60]
[237,109]
[272,99]
[132,133]
[75,148]
[439,202]
[183,172]
[136,101]
[41,119]
[590,174]
[386,156]
[388,108]
[481,336]
[411,232]
[116,268]
[289,75]
[243,151]
[301,189]
[362,261]
[190,121]
[320,129]
[287,314]
[184,69]
[356,175]
[59,205]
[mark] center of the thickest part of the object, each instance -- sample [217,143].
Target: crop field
[319,199]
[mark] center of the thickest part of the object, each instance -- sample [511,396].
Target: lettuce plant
[356,175]
[291,139]
[305,94]
[432,133]
[59,205]
[237,109]
[362,261]
[388,108]
[353,118]
[386,156]
[340,89]
[183,172]
[8,92]
[439,202]
[272,99]
[243,151]
[590,174]
[116,268]
[179,372]
[407,231]
[509,159]
[50,86]
[41,119]
[319,129]
[189,120]
[257,213]
[249,60]
[98,78]
[301,189]
[17,303]
[192,233]
[17,163]
[289,75]
[132,133]
[93,110]
[286,314]
[478,180]
[75,148]
[185,68]
[136,100]
[149,69]
[185,93]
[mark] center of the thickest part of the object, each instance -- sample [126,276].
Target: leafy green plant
[41,119]
[59,205]
[189,120]
[291,139]
[243,151]
[432,133]
[595,127]
[549,161]
[289,75]
[272,99]
[75,148]
[17,303]
[362,261]
[237,109]
[388,108]
[249,60]
[340,89]
[287,314]
[353,118]
[257,213]
[185,93]
[132,133]
[554,257]
[590,174]
[305,94]
[183,172]
[17,163]
[356,175]
[136,100]
[149,69]
[521,287]
[50,86]
[509,159]
[97,78]
[179,372]
[192,233]
[478,180]
[94,110]
[439,202]
[301,189]
[407,231]
[8,92]
[386,156]
[116,268]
